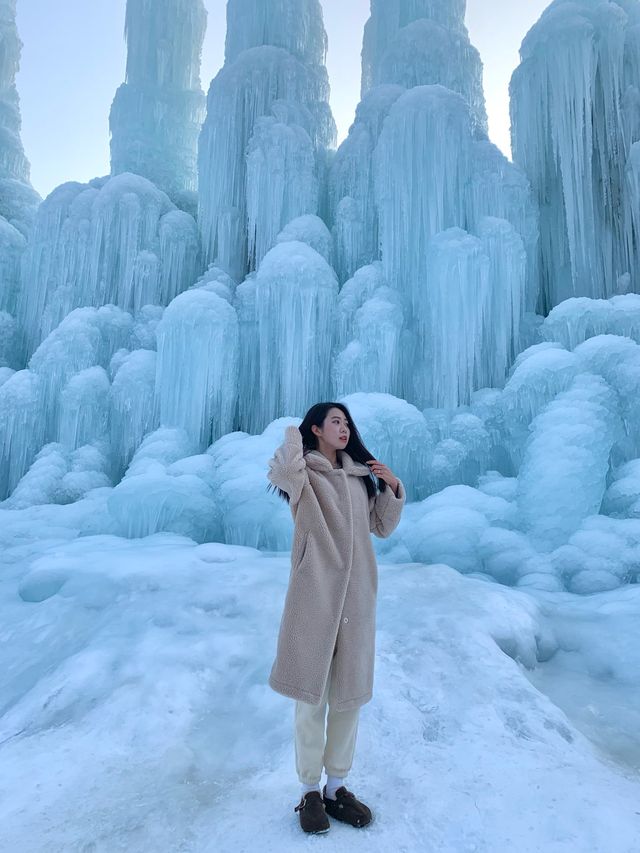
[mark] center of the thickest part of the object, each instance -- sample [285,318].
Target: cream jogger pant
[312,752]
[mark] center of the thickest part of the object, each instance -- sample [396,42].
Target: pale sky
[73,60]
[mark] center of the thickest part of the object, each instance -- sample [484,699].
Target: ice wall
[575,112]
[416,163]
[118,240]
[157,113]
[466,286]
[274,69]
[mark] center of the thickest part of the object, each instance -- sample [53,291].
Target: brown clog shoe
[313,817]
[346,807]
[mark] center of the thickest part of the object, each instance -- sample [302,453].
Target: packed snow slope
[137,716]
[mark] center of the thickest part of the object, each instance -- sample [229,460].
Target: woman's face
[335,430]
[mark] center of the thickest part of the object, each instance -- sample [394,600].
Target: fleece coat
[330,605]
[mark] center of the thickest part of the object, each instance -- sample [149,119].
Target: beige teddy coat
[330,605]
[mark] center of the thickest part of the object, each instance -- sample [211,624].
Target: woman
[326,644]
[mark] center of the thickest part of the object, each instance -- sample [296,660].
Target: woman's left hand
[384,473]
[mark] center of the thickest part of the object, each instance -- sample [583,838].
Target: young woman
[338,494]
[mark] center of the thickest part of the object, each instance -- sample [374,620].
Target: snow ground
[135,713]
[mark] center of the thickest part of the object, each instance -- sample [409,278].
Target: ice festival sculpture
[157,113]
[418,186]
[149,363]
[264,143]
[18,199]
[575,112]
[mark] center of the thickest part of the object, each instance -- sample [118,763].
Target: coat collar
[317,461]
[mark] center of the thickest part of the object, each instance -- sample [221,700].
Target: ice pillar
[574,116]
[274,68]
[157,113]
[18,199]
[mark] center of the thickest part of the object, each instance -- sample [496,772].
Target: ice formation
[158,112]
[270,72]
[116,241]
[149,364]
[197,366]
[18,200]
[435,267]
[295,303]
[575,105]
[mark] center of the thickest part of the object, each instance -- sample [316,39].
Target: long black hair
[354,447]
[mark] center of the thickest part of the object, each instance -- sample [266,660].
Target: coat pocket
[301,550]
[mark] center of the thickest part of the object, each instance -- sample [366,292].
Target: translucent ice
[577,431]
[260,78]
[295,302]
[118,241]
[157,113]
[197,366]
[572,135]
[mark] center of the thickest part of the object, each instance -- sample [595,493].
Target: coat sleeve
[385,510]
[287,468]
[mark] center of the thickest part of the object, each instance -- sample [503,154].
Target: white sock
[307,788]
[333,783]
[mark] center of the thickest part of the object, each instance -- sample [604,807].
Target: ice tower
[158,112]
[264,143]
[575,114]
[407,43]
[18,199]
[418,186]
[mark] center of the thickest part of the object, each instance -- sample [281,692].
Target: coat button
[346,619]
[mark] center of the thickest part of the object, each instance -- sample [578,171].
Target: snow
[100,627]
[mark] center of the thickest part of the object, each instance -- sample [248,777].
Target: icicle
[568,134]
[117,240]
[294,25]
[88,337]
[351,185]
[451,313]
[249,401]
[499,189]
[372,361]
[84,408]
[18,200]
[259,77]
[422,163]
[157,114]
[132,411]
[22,426]
[12,246]
[197,366]
[296,293]
[507,273]
[425,53]
[281,182]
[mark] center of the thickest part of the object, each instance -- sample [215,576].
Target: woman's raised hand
[383,473]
